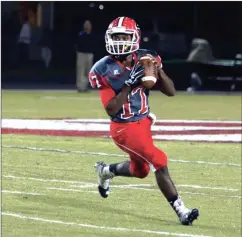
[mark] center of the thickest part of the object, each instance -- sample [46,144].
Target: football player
[125,100]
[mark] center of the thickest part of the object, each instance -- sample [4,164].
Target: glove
[135,75]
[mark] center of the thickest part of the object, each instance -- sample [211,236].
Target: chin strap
[121,57]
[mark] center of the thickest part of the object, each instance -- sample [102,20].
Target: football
[150,71]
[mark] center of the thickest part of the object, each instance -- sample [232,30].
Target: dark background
[218,22]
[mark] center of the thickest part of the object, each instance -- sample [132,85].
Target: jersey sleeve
[98,81]
[106,94]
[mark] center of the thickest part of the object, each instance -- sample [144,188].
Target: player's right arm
[111,102]
[116,103]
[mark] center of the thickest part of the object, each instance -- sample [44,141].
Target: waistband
[129,123]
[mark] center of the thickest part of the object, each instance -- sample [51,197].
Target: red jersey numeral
[127,111]
[94,80]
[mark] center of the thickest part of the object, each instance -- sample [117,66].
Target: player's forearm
[166,84]
[117,102]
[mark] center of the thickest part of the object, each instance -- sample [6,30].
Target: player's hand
[155,61]
[135,75]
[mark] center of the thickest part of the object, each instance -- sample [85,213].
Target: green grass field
[71,104]
[50,193]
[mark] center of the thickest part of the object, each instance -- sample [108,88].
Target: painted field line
[113,186]
[43,180]
[115,155]
[90,185]
[107,228]
[157,129]
[207,187]
[170,121]
[149,190]
[72,190]
[70,98]
[164,120]
[19,192]
[83,184]
[94,185]
[212,196]
[166,131]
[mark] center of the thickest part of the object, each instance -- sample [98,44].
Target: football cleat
[103,178]
[189,217]
[185,215]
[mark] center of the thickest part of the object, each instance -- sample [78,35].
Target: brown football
[150,71]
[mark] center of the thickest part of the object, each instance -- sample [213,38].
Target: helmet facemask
[125,46]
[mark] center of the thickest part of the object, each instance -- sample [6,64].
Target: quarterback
[119,78]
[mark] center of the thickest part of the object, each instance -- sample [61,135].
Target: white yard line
[45,125]
[107,228]
[19,192]
[206,187]
[43,180]
[158,120]
[133,187]
[116,155]
[231,138]
[147,189]
[83,184]
[185,131]
[212,196]
[90,185]
[94,185]
[70,98]
[72,190]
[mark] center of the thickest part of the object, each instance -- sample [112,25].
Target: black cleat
[189,217]
[103,179]
[103,192]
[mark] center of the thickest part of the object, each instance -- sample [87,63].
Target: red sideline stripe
[107,136]
[196,124]
[106,133]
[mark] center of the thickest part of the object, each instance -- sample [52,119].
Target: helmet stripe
[120,22]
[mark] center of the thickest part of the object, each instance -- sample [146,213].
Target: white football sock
[107,173]
[179,207]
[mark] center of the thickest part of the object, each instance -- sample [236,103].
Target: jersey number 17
[127,111]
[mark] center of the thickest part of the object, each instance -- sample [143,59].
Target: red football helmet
[122,26]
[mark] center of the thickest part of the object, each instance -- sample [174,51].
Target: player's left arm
[164,83]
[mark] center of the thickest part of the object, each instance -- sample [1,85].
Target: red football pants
[135,138]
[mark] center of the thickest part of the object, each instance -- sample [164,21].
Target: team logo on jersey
[116,72]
